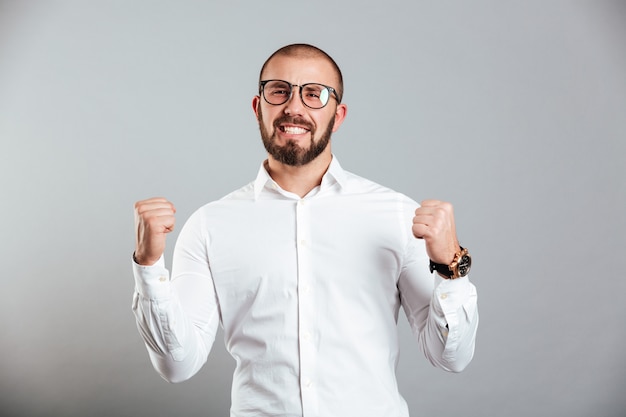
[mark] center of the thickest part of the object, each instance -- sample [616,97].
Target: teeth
[294,130]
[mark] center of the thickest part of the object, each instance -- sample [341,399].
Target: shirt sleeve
[178,315]
[443,314]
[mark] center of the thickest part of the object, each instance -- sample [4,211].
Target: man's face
[292,133]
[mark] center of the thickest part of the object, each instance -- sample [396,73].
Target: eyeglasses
[313,95]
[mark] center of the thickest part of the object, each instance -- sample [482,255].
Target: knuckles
[155,214]
[433,217]
[447,207]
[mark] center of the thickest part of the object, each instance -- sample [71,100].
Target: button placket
[306,309]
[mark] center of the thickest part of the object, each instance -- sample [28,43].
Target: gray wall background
[514,111]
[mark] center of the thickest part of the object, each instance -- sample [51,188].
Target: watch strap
[449,271]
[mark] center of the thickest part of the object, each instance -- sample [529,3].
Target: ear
[256,102]
[340,114]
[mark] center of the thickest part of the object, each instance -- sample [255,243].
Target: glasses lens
[315,95]
[276,92]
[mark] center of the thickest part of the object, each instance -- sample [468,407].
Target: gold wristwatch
[459,267]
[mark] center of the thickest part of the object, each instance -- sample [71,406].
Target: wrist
[144,261]
[459,267]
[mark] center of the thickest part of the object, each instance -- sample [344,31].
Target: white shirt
[308,292]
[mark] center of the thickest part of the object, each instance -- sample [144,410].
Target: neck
[299,180]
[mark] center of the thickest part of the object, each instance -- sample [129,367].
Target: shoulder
[358,185]
[225,203]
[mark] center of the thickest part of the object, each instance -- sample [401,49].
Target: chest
[268,253]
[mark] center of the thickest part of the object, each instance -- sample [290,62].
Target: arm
[177,318]
[443,313]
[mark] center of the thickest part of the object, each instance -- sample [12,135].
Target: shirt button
[443,296]
[302,242]
[306,336]
[162,279]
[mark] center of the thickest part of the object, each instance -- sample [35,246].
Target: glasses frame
[291,86]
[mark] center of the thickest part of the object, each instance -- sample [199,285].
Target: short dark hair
[303,50]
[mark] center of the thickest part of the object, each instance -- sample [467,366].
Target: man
[305,268]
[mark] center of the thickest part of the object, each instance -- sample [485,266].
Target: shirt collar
[334,175]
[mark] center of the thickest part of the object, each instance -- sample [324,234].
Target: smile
[293,130]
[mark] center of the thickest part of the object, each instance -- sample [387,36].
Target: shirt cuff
[152,281]
[453,297]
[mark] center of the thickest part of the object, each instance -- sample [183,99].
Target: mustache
[293,120]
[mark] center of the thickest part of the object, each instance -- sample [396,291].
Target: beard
[291,153]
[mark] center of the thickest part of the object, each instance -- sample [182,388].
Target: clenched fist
[154,219]
[434,222]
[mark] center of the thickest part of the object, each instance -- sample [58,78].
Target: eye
[315,95]
[312,92]
[277,89]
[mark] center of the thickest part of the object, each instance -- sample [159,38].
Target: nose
[294,106]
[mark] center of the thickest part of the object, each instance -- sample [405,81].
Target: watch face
[464,265]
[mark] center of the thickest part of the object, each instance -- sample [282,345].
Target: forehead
[299,70]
